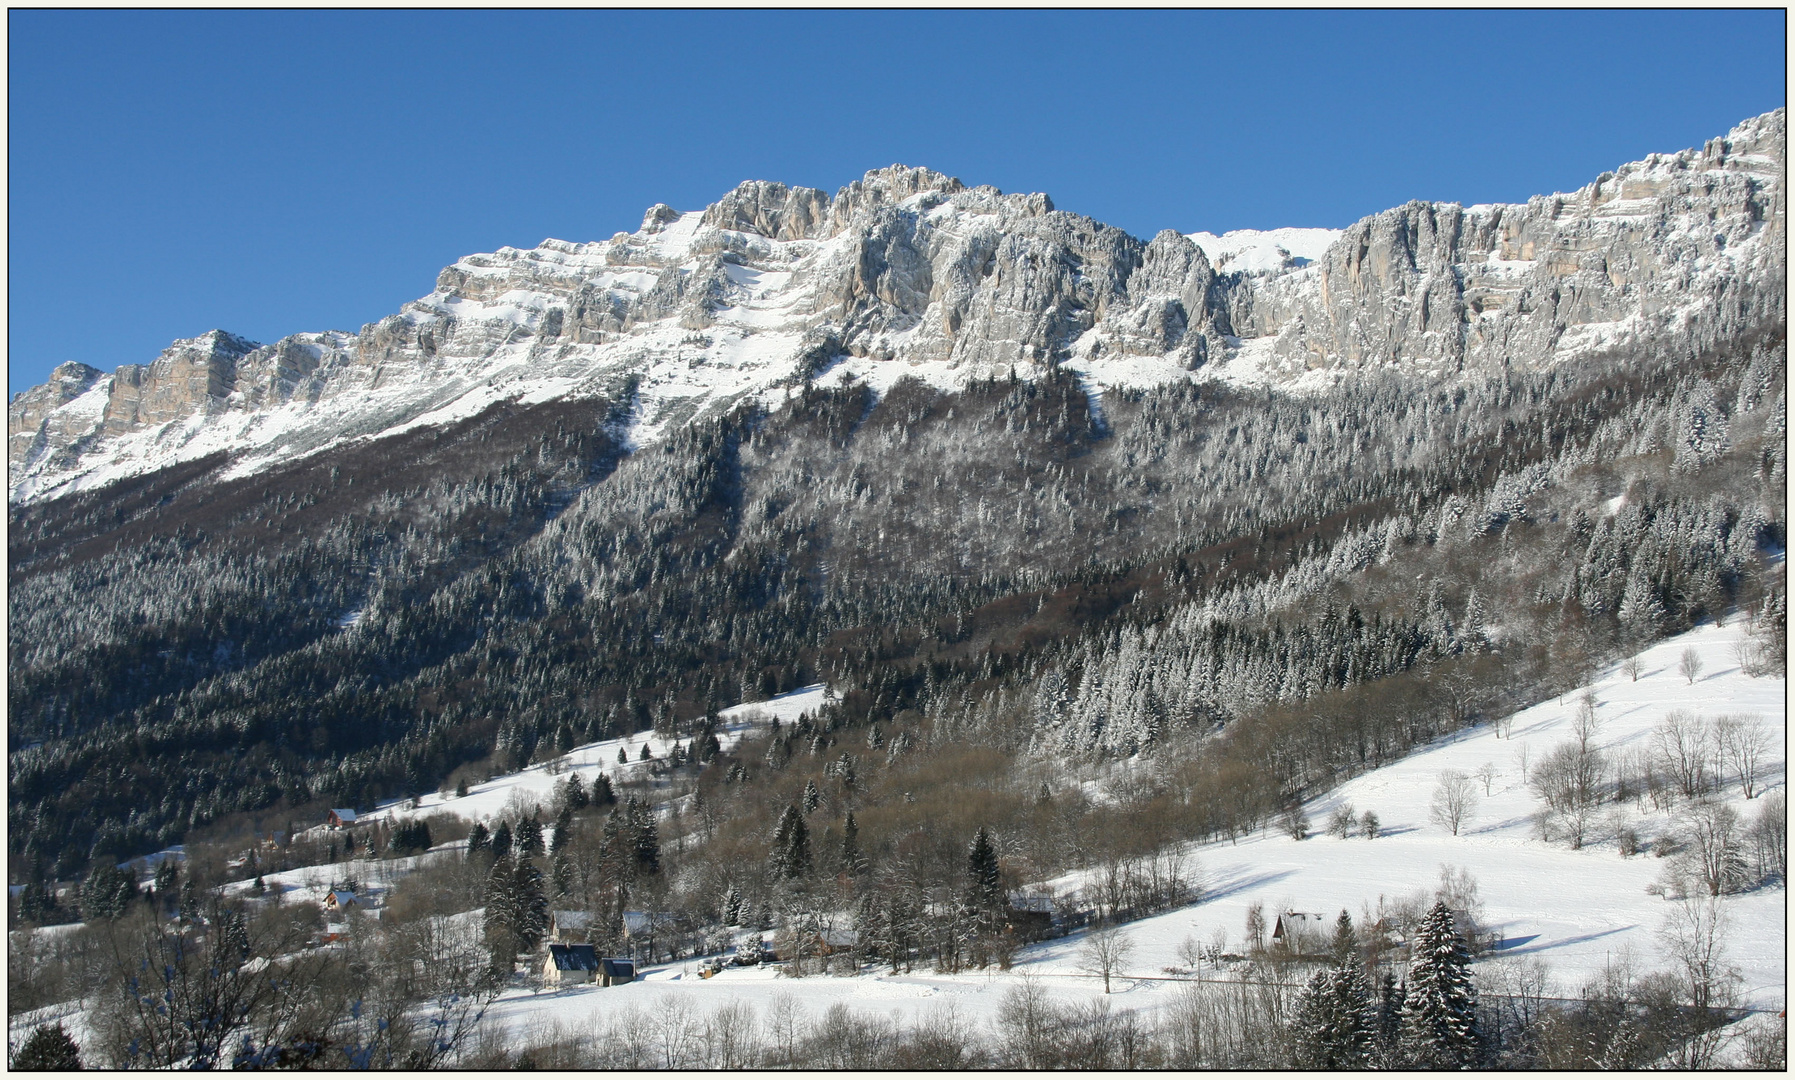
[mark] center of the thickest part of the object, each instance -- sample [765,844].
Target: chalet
[1031,918]
[340,900]
[340,819]
[614,971]
[567,964]
[1297,930]
[569,925]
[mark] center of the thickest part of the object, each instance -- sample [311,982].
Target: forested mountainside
[971,520]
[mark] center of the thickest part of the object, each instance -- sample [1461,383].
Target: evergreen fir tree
[561,874]
[49,1048]
[733,905]
[1346,940]
[576,798]
[501,841]
[790,856]
[478,839]
[623,754]
[985,888]
[1439,1012]
[602,792]
[812,797]
[502,913]
[529,836]
[645,837]
[853,861]
[1336,1023]
[106,892]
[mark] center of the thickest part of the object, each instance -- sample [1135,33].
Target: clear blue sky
[270,172]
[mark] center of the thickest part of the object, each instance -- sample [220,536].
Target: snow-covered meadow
[1575,910]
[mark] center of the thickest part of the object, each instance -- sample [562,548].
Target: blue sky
[271,172]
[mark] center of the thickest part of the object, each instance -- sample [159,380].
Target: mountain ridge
[908,272]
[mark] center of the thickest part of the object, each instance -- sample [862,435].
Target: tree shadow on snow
[1578,940]
[1227,888]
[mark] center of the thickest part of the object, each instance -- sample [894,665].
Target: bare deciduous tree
[1681,747]
[1632,667]
[1689,665]
[1106,950]
[1487,774]
[1454,801]
[1743,741]
[1694,936]
[1713,849]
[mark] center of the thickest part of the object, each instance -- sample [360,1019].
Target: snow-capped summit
[908,272]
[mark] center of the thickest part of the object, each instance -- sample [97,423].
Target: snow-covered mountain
[907,272]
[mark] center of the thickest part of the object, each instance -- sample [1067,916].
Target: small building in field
[569,925]
[615,971]
[1297,931]
[340,819]
[568,964]
[340,900]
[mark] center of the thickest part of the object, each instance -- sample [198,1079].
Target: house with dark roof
[615,971]
[566,964]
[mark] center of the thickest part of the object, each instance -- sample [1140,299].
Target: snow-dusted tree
[812,797]
[50,1048]
[789,856]
[1335,1022]
[1439,1011]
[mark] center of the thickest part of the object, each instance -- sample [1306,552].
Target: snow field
[1575,910]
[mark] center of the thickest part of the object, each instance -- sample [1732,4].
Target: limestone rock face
[1690,243]
[33,419]
[907,272]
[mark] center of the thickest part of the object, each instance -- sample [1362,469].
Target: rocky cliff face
[1691,243]
[907,272]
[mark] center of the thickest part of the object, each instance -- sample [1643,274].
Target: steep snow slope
[910,273]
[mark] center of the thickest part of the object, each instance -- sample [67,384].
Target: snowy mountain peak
[907,272]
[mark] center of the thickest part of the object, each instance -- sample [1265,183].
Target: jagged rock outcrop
[909,272]
[1688,244]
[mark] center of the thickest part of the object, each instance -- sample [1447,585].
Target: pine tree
[985,889]
[812,797]
[502,907]
[561,873]
[645,837]
[733,905]
[49,1048]
[501,841]
[106,892]
[602,792]
[1335,1022]
[790,855]
[478,839]
[576,798]
[853,861]
[529,835]
[1439,1012]
[1346,941]
[623,754]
